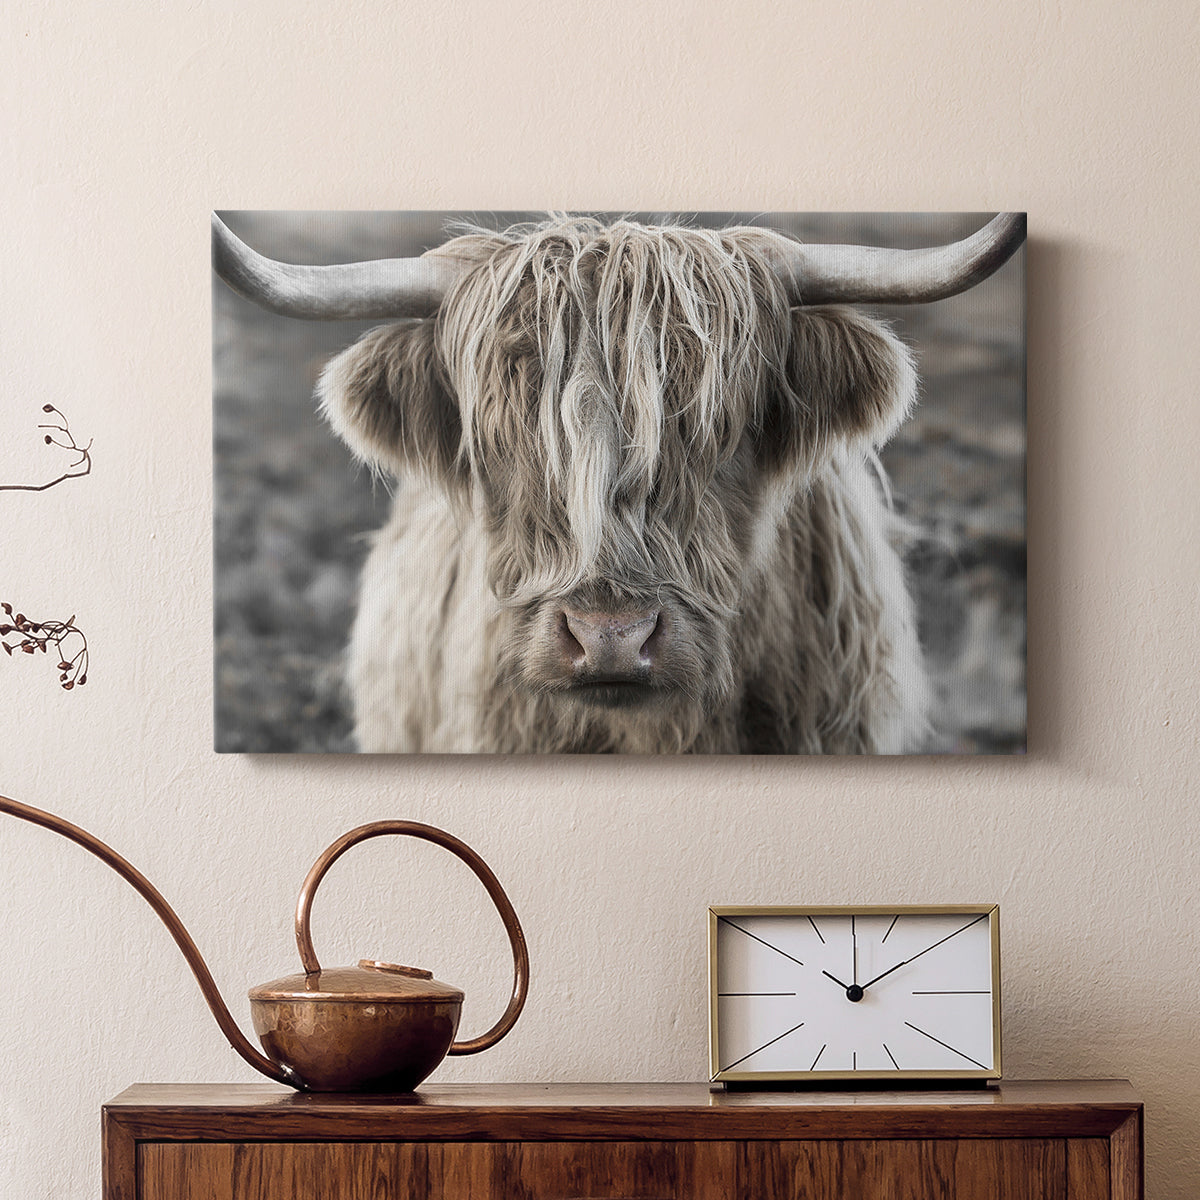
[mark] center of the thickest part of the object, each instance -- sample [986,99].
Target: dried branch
[31,636]
[83,460]
[20,633]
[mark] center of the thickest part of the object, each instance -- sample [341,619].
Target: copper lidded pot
[374,1027]
[377,1026]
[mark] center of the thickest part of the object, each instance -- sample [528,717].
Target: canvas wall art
[718,483]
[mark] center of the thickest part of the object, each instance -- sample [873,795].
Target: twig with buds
[31,636]
[18,632]
[83,459]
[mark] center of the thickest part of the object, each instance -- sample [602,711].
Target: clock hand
[853,992]
[889,971]
[925,951]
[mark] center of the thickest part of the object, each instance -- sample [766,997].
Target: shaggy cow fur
[630,419]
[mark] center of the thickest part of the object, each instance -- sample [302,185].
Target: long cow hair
[614,416]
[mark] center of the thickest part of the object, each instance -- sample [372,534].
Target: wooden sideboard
[1018,1141]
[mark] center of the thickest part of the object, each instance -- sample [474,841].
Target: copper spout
[166,914]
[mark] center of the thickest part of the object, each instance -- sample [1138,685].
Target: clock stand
[853,1085]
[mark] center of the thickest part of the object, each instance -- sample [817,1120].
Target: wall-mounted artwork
[724,483]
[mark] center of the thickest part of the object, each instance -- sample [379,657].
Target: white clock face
[864,992]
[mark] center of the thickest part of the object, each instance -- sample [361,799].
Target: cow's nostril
[652,646]
[572,649]
[610,644]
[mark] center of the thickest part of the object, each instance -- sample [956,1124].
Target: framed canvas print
[721,483]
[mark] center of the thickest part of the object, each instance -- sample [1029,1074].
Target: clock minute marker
[762,1047]
[763,941]
[927,949]
[889,930]
[947,1045]
[816,930]
[818,1058]
[955,992]
[891,1056]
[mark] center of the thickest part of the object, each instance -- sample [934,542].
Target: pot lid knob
[372,964]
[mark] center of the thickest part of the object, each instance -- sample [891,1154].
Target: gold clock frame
[715,913]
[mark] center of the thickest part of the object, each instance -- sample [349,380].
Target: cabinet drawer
[436,1171]
[896,1169]
[905,1169]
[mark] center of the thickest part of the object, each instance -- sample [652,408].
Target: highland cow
[638,506]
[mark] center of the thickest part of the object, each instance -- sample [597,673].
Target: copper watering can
[373,1027]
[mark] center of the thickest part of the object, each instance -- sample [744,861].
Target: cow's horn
[818,274]
[387,287]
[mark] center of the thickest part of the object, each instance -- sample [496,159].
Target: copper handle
[428,833]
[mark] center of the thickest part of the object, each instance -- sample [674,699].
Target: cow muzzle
[611,656]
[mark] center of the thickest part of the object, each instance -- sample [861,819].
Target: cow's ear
[847,380]
[388,399]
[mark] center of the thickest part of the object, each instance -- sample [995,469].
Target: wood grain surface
[524,1112]
[1020,1141]
[1087,1167]
[963,1168]
[438,1171]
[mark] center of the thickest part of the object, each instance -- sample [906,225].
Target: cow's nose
[618,645]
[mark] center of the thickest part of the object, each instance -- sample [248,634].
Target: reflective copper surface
[357,1045]
[374,1027]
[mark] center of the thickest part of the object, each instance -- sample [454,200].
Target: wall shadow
[1048,264]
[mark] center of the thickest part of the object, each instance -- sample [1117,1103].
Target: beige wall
[125,123]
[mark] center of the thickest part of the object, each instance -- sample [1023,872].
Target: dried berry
[32,636]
